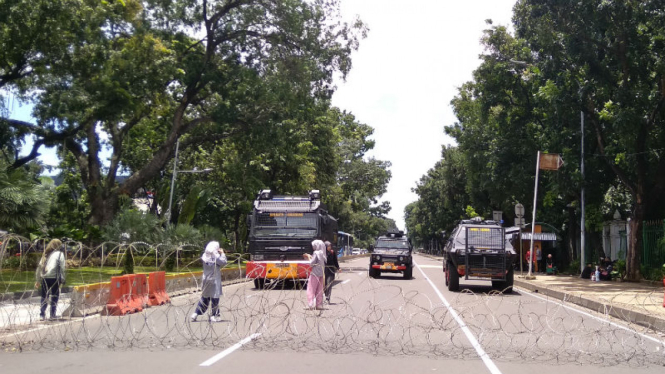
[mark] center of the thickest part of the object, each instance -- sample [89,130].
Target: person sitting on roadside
[549,265]
[586,273]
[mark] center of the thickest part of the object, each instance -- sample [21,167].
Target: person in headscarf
[50,275]
[211,284]
[317,261]
[332,267]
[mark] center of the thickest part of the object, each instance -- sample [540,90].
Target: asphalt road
[387,325]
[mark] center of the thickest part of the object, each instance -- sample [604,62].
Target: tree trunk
[572,235]
[236,230]
[634,257]
[102,208]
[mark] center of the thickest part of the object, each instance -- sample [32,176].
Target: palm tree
[24,201]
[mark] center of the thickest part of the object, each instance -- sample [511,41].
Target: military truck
[281,230]
[392,253]
[479,250]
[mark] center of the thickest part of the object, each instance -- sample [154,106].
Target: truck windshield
[276,224]
[392,245]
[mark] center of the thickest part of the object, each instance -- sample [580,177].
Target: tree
[443,198]
[136,70]
[23,199]
[608,61]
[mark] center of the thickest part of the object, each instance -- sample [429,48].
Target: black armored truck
[392,253]
[479,250]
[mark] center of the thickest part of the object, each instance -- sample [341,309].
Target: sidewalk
[639,303]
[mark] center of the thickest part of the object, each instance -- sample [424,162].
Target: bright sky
[405,74]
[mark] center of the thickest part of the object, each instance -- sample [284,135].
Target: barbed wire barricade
[366,315]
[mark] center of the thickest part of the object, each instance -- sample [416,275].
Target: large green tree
[160,70]
[606,57]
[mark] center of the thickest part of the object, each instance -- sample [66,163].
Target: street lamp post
[175,173]
[519,221]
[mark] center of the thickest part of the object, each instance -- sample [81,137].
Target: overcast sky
[405,74]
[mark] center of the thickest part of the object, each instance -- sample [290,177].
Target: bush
[128,267]
[169,264]
[620,267]
[573,268]
[28,261]
[183,234]
[12,262]
[133,226]
[652,274]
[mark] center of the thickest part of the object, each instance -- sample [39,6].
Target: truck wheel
[374,273]
[507,285]
[259,283]
[453,277]
[408,273]
[510,279]
[445,273]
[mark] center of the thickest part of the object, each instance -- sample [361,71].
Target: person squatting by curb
[50,275]
[332,267]
[213,259]
[317,260]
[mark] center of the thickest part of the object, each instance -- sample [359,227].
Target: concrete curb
[623,314]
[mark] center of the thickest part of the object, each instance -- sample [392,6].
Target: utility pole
[582,224]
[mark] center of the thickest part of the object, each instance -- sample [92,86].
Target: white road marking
[230,350]
[346,281]
[469,335]
[594,317]
[432,266]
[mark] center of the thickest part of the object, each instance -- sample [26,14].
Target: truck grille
[485,254]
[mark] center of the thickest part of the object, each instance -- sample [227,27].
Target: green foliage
[133,226]
[23,200]
[443,199]
[573,268]
[128,264]
[652,274]
[132,73]
[470,212]
[621,268]
[170,263]
[182,234]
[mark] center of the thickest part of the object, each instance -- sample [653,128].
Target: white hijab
[211,253]
[318,245]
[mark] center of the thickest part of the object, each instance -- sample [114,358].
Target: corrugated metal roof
[541,236]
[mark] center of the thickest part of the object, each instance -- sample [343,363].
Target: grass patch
[24,281]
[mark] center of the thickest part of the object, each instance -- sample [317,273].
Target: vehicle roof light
[265,195]
[315,195]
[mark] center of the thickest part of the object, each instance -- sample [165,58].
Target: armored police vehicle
[281,230]
[392,253]
[479,250]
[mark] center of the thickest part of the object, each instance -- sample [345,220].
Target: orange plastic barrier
[157,288]
[140,290]
[134,299]
[119,302]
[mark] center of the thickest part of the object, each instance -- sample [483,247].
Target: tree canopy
[243,87]
[602,59]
